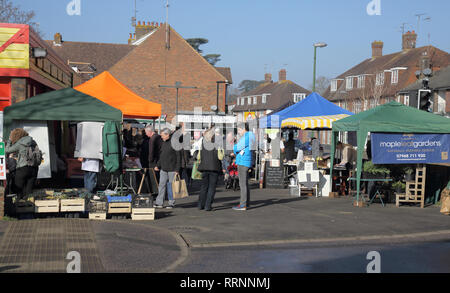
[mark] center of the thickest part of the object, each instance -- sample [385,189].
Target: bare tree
[10,13]
[322,84]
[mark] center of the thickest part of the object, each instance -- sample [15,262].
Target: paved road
[278,234]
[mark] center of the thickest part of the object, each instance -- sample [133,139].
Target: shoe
[208,209]
[240,208]
[169,207]
[157,206]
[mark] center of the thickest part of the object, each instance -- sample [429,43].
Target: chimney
[282,75]
[57,41]
[268,77]
[377,49]
[409,40]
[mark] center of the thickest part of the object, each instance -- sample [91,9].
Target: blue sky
[254,36]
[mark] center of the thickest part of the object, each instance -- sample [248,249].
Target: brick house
[268,97]
[377,80]
[146,62]
[439,83]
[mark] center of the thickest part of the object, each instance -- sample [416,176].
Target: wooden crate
[415,190]
[46,206]
[97,216]
[143,214]
[73,205]
[119,207]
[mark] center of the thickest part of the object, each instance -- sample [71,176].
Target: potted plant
[409,174]
[399,187]
[372,171]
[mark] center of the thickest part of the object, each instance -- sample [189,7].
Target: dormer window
[380,78]
[394,78]
[299,97]
[255,100]
[264,98]
[361,81]
[334,85]
[249,100]
[349,83]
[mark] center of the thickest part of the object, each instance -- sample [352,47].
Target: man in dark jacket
[151,149]
[169,165]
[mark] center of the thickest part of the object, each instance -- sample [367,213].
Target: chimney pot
[377,49]
[268,77]
[58,39]
[409,40]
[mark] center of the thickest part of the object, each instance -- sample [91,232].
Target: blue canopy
[312,106]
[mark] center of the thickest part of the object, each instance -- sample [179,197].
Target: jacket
[169,158]
[243,150]
[154,150]
[21,148]
[209,160]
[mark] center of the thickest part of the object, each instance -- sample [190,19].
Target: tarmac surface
[170,242]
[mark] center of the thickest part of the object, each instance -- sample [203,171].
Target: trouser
[243,184]
[165,184]
[90,181]
[25,179]
[186,174]
[207,189]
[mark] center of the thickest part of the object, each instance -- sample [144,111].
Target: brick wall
[151,64]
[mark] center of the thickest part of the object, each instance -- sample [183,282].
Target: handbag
[220,154]
[179,188]
[196,174]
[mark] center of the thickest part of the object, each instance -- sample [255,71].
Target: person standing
[24,147]
[152,152]
[290,148]
[91,167]
[244,160]
[169,165]
[211,167]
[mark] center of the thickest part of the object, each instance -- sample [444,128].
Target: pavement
[165,244]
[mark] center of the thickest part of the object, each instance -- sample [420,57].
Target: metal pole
[176,111]
[314,72]
[217,100]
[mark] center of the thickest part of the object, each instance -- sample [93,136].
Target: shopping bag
[196,174]
[179,188]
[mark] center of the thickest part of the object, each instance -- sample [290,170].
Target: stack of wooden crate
[415,190]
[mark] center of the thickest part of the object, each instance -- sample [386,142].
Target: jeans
[90,181]
[207,190]
[243,184]
[165,184]
[25,179]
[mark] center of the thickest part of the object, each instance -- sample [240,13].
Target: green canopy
[392,117]
[65,105]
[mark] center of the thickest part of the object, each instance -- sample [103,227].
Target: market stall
[389,118]
[314,112]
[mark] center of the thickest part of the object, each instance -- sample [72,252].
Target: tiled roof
[226,72]
[409,59]
[280,94]
[439,80]
[102,55]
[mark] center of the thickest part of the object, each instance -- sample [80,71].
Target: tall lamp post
[316,45]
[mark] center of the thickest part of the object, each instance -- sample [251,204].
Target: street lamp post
[320,45]
[177,86]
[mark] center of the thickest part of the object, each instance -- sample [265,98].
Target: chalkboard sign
[274,177]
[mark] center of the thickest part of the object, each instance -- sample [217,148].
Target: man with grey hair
[149,157]
[169,164]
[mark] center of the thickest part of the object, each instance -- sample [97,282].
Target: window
[334,85]
[255,100]
[357,106]
[349,83]
[372,103]
[398,99]
[298,97]
[264,98]
[242,101]
[237,102]
[380,78]
[344,105]
[365,105]
[361,81]
[406,100]
[249,100]
[394,78]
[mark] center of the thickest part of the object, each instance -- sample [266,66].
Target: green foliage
[196,43]
[369,167]
[248,85]
[408,170]
[212,58]
[399,185]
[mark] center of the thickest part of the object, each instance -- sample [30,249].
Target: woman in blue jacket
[244,159]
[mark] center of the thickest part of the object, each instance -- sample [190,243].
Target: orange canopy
[109,90]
